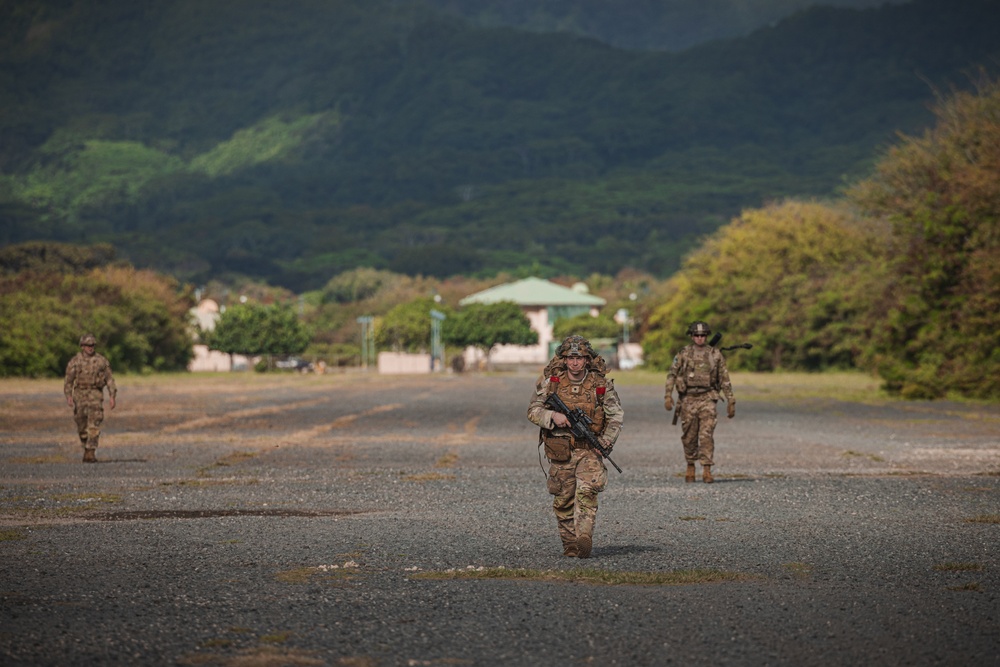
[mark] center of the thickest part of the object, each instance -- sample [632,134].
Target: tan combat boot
[569,548]
[689,475]
[88,455]
[706,474]
[584,543]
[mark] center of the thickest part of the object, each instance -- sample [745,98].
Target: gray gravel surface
[286,521]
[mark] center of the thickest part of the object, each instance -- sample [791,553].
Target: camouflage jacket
[698,371]
[89,372]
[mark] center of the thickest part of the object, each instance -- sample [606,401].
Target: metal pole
[367,340]
[437,351]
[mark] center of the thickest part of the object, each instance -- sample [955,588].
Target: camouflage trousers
[575,485]
[698,420]
[88,413]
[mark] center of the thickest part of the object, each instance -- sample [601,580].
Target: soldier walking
[699,374]
[576,472]
[87,374]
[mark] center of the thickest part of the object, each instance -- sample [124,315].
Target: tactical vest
[698,373]
[588,395]
[90,373]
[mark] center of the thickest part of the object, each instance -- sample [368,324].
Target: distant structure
[205,315]
[543,302]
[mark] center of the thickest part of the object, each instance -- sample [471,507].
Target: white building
[543,302]
[205,315]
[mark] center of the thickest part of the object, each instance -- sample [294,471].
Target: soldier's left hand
[111,402]
[608,446]
[731,409]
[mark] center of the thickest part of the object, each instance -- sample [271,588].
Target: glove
[608,446]
[668,403]
[731,409]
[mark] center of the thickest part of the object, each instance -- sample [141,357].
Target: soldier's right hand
[668,403]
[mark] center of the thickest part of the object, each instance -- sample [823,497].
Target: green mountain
[639,24]
[293,141]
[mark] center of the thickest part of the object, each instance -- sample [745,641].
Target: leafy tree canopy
[253,330]
[789,278]
[587,326]
[140,318]
[407,327]
[486,325]
[938,314]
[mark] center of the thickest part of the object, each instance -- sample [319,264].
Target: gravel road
[293,520]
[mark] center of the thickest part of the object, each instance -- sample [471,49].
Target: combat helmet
[576,346]
[88,339]
[699,328]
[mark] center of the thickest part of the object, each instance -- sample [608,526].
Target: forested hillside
[639,24]
[293,142]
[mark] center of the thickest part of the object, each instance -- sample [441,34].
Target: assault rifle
[579,425]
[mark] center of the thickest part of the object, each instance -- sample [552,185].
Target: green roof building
[544,303]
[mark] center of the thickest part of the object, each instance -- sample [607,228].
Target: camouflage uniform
[576,472]
[699,374]
[87,374]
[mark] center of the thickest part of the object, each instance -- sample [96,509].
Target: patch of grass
[871,457]
[260,656]
[276,638]
[447,461]
[321,573]
[88,497]
[235,458]
[971,586]
[9,535]
[958,567]
[799,570]
[590,576]
[984,518]
[207,480]
[365,661]
[427,477]
[40,460]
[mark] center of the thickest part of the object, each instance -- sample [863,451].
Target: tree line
[900,276]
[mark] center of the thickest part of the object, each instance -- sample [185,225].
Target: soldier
[87,374]
[576,471]
[699,373]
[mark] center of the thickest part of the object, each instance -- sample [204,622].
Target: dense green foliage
[909,287]
[937,323]
[407,327]
[203,138]
[587,326]
[484,325]
[786,279]
[140,318]
[257,330]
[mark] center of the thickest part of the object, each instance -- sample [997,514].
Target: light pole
[367,340]
[437,350]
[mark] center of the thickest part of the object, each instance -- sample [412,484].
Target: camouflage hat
[88,339]
[699,328]
[576,346]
